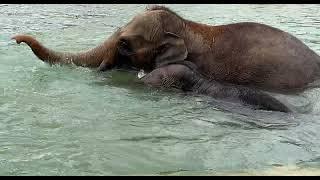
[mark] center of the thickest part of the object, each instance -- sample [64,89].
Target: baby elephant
[185,77]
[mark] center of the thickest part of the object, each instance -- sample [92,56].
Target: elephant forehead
[172,70]
[146,25]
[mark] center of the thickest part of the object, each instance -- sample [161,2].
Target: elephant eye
[124,47]
[123,43]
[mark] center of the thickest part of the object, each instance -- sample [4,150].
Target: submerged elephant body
[183,76]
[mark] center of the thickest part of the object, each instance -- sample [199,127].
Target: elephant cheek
[152,81]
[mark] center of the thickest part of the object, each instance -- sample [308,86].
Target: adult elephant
[250,54]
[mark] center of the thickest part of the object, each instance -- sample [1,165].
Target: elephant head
[146,42]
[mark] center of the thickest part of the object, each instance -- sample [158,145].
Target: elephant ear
[172,49]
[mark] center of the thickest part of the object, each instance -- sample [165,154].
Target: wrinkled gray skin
[184,76]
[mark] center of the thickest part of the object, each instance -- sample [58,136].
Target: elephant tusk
[141,74]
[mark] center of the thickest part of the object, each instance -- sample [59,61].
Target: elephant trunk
[106,52]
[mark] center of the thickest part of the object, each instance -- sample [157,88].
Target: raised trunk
[91,58]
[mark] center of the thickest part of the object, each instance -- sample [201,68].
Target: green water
[75,121]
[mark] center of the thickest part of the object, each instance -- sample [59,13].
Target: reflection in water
[74,121]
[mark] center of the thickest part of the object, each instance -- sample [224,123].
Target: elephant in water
[183,76]
[245,53]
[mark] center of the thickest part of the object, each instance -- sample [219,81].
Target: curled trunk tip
[24,38]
